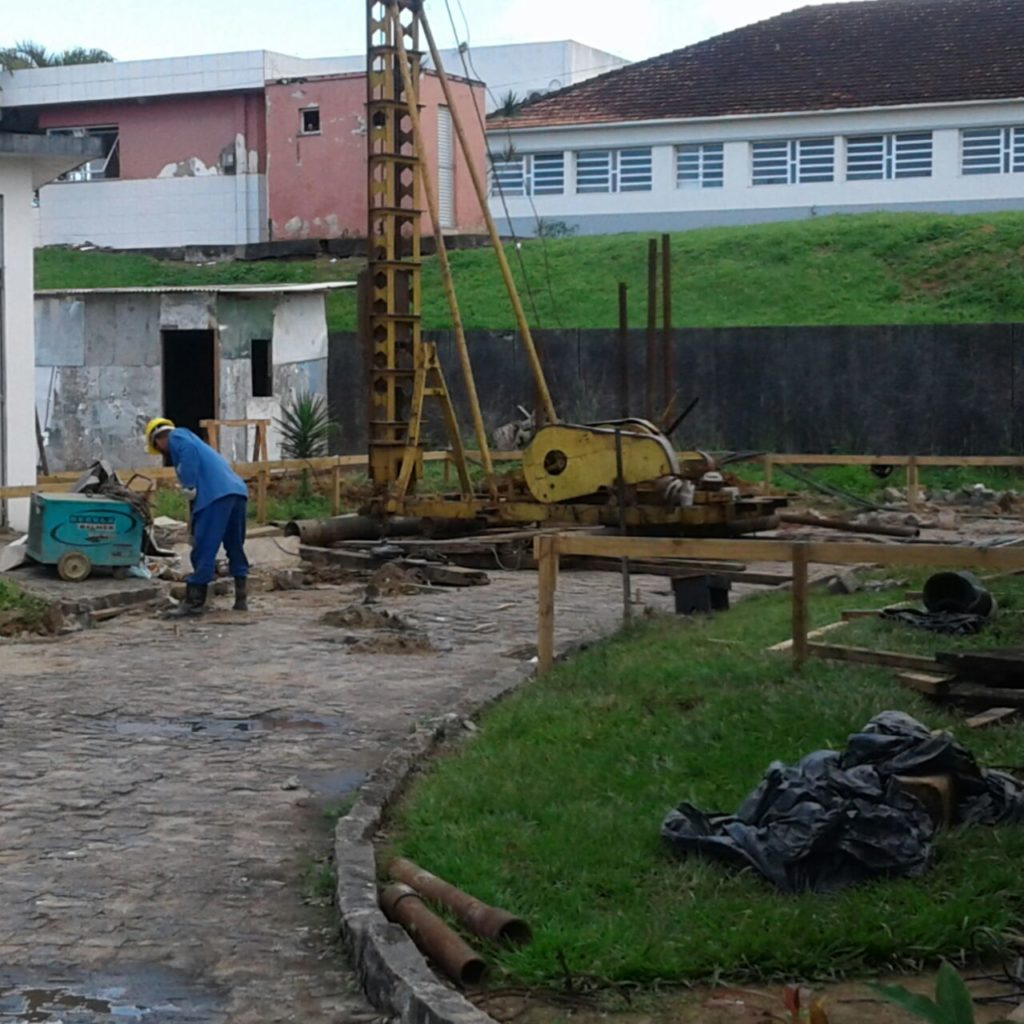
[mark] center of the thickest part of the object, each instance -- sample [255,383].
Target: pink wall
[163,135]
[316,184]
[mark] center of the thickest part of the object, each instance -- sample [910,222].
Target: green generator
[77,532]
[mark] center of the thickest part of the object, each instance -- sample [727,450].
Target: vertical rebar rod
[651,397]
[623,350]
[666,320]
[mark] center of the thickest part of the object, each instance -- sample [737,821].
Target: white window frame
[890,156]
[630,169]
[700,165]
[810,161]
[539,174]
[98,169]
[1005,151]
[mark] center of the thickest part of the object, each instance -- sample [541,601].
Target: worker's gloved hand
[190,494]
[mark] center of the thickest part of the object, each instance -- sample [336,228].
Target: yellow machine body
[566,461]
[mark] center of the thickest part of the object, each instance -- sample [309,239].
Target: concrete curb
[392,971]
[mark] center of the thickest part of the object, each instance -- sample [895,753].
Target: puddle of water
[146,995]
[230,728]
[332,785]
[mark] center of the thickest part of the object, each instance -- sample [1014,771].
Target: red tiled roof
[838,55]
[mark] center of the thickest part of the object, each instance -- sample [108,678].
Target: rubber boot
[241,594]
[193,605]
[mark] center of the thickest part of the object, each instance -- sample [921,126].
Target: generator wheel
[74,566]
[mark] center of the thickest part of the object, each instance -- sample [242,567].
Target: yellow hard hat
[156,424]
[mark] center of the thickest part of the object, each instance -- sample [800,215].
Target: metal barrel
[433,937]
[957,592]
[480,918]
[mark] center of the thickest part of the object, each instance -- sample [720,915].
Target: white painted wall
[524,68]
[17,424]
[300,329]
[155,212]
[167,76]
[740,201]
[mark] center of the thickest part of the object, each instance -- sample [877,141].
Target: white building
[26,163]
[530,69]
[839,108]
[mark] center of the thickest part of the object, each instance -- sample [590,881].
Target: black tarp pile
[836,819]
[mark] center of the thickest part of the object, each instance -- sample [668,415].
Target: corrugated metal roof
[210,289]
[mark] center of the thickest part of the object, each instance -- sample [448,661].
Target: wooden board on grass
[865,656]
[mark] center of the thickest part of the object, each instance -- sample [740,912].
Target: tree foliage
[29,54]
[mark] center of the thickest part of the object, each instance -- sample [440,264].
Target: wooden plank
[546,553]
[787,645]
[936,792]
[986,696]
[1002,667]
[993,716]
[840,553]
[925,682]
[799,639]
[864,656]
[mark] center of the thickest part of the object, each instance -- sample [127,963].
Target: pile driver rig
[612,474]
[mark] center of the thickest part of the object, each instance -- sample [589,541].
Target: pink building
[225,150]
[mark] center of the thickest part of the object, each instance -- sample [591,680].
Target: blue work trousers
[220,522]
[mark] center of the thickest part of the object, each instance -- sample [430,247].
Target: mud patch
[393,581]
[388,643]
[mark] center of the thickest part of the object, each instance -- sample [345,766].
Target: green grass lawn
[553,810]
[864,269]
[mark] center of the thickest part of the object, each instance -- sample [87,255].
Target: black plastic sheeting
[948,623]
[837,819]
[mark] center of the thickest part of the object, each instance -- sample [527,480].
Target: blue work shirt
[201,468]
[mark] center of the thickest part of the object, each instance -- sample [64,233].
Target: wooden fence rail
[550,547]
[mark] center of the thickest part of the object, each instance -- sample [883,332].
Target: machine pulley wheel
[74,566]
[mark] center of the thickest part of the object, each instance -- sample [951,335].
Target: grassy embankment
[553,809]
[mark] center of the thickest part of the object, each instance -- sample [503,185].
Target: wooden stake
[913,488]
[546,552]
[336,489]
[799,604]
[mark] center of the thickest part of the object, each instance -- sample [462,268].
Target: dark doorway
[189,378]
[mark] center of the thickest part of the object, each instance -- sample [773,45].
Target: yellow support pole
[537,370]
[446,271]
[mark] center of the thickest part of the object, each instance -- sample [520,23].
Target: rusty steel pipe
[800,519]
[480,918]
[324,532]
[434,938]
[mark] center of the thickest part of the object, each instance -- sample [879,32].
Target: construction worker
[218,498]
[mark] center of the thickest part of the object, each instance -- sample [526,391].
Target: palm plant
[510,103]
[306,429]
[29,54]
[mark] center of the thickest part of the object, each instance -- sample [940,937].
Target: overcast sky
[133,29]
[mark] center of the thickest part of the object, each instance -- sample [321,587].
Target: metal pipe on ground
[324,532]
[480,918]
[435,939]
[799,519]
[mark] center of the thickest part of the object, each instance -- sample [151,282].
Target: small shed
[108,359]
